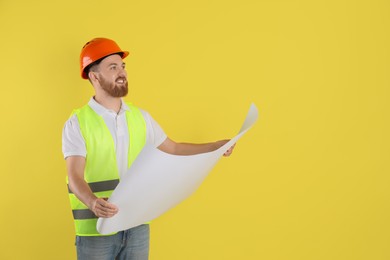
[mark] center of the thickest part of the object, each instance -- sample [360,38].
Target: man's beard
[113,88]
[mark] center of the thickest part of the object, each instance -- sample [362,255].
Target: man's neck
[112,103]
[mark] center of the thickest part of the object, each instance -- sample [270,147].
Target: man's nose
[122,72]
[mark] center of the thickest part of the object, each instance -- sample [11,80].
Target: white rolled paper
[157,181]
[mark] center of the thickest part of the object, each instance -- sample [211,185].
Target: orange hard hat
[96,49]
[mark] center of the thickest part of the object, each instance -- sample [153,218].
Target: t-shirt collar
[100,110]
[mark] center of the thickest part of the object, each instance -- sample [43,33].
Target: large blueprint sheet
[158,181]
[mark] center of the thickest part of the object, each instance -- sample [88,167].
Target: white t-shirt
[73,143]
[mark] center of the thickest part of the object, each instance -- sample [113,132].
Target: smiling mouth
[121,81]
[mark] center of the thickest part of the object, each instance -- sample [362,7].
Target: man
[100,141]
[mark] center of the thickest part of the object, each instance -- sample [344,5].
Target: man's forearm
[83,192]
[77,184]
[172,147]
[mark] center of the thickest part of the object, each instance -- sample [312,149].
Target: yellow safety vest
[101,171]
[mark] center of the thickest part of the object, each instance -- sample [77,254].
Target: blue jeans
[130,244]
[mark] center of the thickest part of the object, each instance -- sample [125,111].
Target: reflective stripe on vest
[101,171]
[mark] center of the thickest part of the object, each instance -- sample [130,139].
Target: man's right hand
[103,209]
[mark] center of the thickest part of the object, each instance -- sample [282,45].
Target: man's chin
[117,94]
[122,91]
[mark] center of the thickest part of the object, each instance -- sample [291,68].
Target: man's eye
[113,67]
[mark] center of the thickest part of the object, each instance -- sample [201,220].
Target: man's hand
[102,208]
[221,143]
[229,151]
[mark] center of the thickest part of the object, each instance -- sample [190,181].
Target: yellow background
[309,181]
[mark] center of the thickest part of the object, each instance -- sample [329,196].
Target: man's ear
[92,75]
